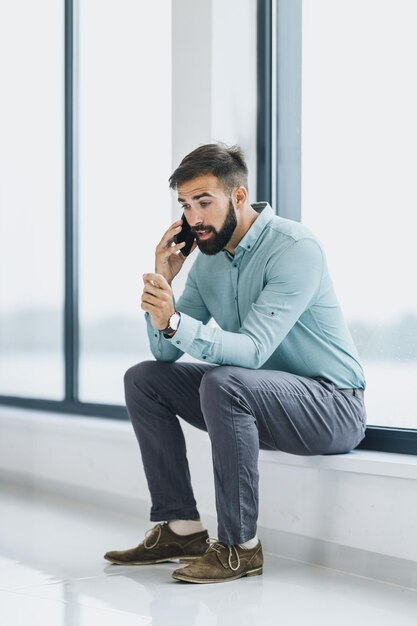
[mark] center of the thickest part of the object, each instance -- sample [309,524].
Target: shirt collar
[266,214]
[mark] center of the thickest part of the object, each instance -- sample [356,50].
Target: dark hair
[227,163]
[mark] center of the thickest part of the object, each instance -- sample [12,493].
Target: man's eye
[185,207]
[204,203]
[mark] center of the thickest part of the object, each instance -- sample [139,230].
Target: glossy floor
[52,574]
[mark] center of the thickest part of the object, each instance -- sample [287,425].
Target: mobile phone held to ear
[186,235]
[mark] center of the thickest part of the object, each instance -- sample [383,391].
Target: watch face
[174,321]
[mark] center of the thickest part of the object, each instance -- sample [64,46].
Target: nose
[194,218]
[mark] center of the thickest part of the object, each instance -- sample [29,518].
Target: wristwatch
[173,324]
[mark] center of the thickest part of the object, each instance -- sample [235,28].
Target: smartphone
[185,235]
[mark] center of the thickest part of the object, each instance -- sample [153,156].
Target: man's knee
[222,401]
[140,383]
[218,383]
[137,374]
[214,377]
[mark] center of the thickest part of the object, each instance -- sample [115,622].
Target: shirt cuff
[185,334]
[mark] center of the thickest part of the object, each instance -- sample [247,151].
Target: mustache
[202,230]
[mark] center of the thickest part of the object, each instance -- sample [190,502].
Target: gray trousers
[242,410]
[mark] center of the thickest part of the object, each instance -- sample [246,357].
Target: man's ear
[240,195]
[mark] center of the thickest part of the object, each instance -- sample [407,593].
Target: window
[328,128]
[359,133]
[124,160]
[131,107]
[31,199]
[344,132]
[144,84]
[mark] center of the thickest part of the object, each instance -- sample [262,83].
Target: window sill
[358,461]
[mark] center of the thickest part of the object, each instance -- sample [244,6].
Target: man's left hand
[157,299]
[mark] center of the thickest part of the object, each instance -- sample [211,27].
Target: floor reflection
[52,573]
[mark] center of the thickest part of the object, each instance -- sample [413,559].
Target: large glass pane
[126,113]
[222,87]
[359,137]
[234,86]
[31,198]
[124,164]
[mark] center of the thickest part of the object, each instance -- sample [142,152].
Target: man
[280,372]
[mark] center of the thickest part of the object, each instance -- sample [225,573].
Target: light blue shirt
[275,305]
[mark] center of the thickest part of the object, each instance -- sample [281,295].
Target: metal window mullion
[71,326]
[264,101]
[287,70]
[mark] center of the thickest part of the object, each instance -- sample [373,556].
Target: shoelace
[148,534]
[217,546]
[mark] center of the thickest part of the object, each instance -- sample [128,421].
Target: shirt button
[178,342]
[156,335]
[204,357]
[234,265]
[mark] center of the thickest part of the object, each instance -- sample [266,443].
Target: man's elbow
[258,355]
[250,359]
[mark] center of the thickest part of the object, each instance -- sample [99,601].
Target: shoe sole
[181,559]
[188,579]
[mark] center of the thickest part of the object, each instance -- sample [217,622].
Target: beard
[219,239]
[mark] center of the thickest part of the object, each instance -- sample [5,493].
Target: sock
[248,545]
[185,526]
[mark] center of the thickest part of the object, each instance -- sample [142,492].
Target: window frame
[279,41]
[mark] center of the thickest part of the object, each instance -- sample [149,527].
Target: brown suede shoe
[161,544]
[222,563]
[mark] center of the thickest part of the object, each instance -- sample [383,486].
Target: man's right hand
[168,259]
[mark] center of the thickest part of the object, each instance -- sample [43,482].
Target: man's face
[209,212]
